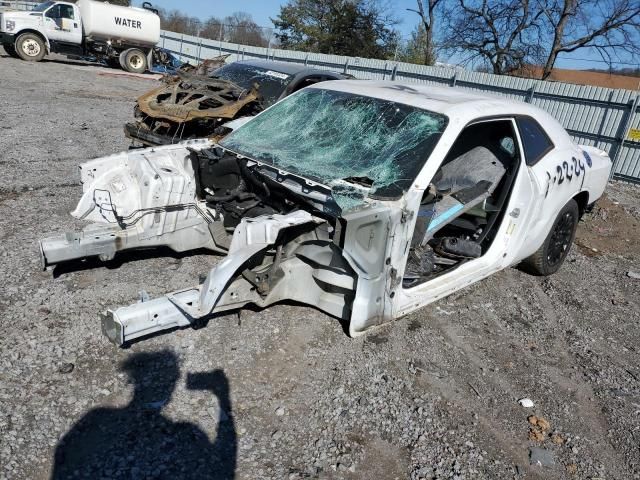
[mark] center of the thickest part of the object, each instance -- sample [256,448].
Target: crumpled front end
[141,199]
[292,257]
[285,238]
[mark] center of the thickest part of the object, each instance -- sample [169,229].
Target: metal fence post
[346,66]
[625,132]
[532,92]
[454,79]
[269,44]
[384,72]
[393,72]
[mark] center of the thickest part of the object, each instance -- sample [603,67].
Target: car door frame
[503,250]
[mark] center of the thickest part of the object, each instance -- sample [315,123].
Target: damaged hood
[192,96]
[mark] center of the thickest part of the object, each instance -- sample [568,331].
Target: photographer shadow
[138,441]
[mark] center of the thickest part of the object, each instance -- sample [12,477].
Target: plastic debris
[541,457]
[526,402]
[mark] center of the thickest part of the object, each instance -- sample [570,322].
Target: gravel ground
[283,392]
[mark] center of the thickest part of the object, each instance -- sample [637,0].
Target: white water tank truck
[121,36]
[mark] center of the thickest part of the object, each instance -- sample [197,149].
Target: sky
[263,10]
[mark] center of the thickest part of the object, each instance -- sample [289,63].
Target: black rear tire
[30,47]
[11,50]
[551,255]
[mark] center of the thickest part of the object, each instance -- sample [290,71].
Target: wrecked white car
[366,200]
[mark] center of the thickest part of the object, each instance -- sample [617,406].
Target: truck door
[62,24]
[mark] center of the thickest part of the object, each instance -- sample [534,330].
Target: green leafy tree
[417,49]
[341,27]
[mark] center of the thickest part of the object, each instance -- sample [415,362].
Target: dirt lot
[284,393]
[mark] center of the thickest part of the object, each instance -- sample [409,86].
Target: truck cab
[50,27]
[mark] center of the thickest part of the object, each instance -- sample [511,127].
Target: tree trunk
[548,67]
[429,56]
[558,34]
[427,23]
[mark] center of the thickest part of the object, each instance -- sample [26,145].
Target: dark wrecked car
[366,200]
[198,104]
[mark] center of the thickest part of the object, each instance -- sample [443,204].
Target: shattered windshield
[354,144]
[271,83]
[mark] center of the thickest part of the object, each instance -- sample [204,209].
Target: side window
[53,12]
[66,11]
[535,141]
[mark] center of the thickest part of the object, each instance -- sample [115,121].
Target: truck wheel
[30,47]
[11,51]
[135,61]
[550,256]
[121,57]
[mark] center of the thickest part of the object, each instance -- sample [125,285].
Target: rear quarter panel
[560,176]
[598,171]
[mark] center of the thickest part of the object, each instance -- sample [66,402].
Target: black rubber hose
[241,196]
[252,178]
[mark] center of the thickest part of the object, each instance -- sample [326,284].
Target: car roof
[460,105]
[288,68]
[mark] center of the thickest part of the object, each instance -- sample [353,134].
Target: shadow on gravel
[124,257]
[71,61]
[137,441]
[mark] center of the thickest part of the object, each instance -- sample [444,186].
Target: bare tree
[608,26]
[243,30]
[427,12]
[236,28]
[213,29]
[504,33]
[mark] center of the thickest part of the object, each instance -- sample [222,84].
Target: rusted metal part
[197,98]
[206,67]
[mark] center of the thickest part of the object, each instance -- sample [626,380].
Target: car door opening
[462,208]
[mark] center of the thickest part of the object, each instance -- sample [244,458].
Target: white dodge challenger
[366,200]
